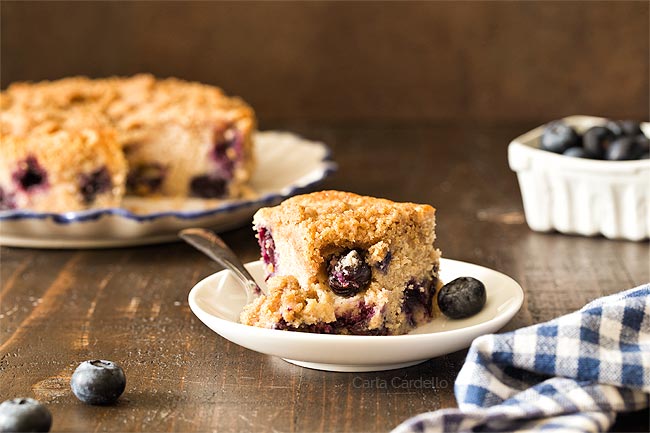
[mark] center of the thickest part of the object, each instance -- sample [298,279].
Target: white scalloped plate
[287,165]
[218,300]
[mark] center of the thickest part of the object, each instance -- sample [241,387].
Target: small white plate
[218,300]
[286,165]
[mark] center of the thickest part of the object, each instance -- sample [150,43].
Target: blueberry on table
[348,273]
[596,140]
[622,149]
[577,152]
[558,137]
[24,415]
[462,297]
[98,382]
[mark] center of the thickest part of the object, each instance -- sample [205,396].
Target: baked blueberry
[29,174]
[98,382]
[267,246]
[558,137]
[145,179]
[6,200]
[97,182]
[383,265]
[24,415]
[596,140]
[577,152]
[418,297]
[208,186]
[622,149]
[462,297]
[348,273]
[227,149]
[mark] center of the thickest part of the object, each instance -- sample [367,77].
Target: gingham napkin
[572,374]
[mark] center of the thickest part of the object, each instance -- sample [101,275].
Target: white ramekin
[582,196]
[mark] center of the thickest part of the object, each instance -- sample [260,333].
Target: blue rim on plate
[329,167]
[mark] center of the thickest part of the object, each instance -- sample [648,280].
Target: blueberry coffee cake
[178,139]
[61,171]
[342,263]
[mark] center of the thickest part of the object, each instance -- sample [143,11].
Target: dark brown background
[394,89]
[335,61]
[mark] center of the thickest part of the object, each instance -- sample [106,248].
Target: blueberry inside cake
[61,171]
[342,263]
[177,138]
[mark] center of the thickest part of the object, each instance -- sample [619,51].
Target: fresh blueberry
[24,415]
[146,178]
[29,174]
[462,297]
[596,140]
[348,273]
[615,127]
[642,145]
[558,137]
[624,127]
[98,382]
[622,149]
[208,186]
[577,152]
[630,127]
[97,182]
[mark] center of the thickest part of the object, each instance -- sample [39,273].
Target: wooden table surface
[60,307]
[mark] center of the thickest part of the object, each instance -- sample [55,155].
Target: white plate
[218,300]
[287,165]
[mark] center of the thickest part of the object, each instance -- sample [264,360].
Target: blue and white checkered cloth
[572,374]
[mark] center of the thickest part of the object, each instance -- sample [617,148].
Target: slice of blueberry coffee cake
[61,171]
[341,263]
[178,138]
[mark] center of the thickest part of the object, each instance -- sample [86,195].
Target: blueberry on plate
[462,297]
[98,382]
[577,152]
[623,149]
[24,415]
[558,137]
[596,140]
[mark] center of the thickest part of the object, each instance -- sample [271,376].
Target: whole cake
[165,137]
[342,263]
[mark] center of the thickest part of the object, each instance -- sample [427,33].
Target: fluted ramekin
[582,196]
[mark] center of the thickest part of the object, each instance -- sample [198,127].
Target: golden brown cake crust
[344,219]
[361,218]
[166,128]
[124,103]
